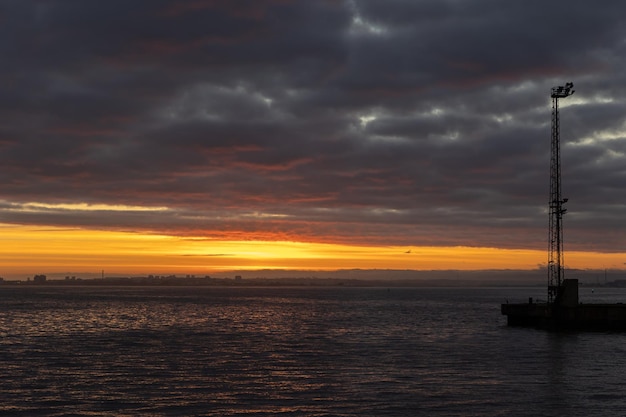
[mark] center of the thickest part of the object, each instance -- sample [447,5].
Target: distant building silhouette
[39,279]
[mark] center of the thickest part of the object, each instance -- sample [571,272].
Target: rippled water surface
[85,351]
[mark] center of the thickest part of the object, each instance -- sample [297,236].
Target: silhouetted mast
[555,239]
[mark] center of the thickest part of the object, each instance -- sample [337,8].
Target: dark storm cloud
[395,122]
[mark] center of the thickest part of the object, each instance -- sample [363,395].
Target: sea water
[301,351]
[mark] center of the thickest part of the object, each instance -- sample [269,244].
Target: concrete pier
[566,313]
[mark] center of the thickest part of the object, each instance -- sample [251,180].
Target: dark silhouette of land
[353,278]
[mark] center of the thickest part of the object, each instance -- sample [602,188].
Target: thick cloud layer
[378,122]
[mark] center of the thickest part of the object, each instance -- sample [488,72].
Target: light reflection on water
[294,351]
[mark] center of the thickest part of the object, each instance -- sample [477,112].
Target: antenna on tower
[555,238]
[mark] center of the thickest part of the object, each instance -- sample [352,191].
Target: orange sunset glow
[28,250]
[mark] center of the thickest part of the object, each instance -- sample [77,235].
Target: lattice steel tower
[555,239]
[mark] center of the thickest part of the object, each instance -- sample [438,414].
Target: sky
[152,136]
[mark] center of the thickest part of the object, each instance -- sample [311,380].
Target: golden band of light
[28,250]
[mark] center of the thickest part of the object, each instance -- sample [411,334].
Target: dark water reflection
[294,351]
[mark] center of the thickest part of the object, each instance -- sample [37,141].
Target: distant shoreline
[282,282]
[258,282]
[348,278]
